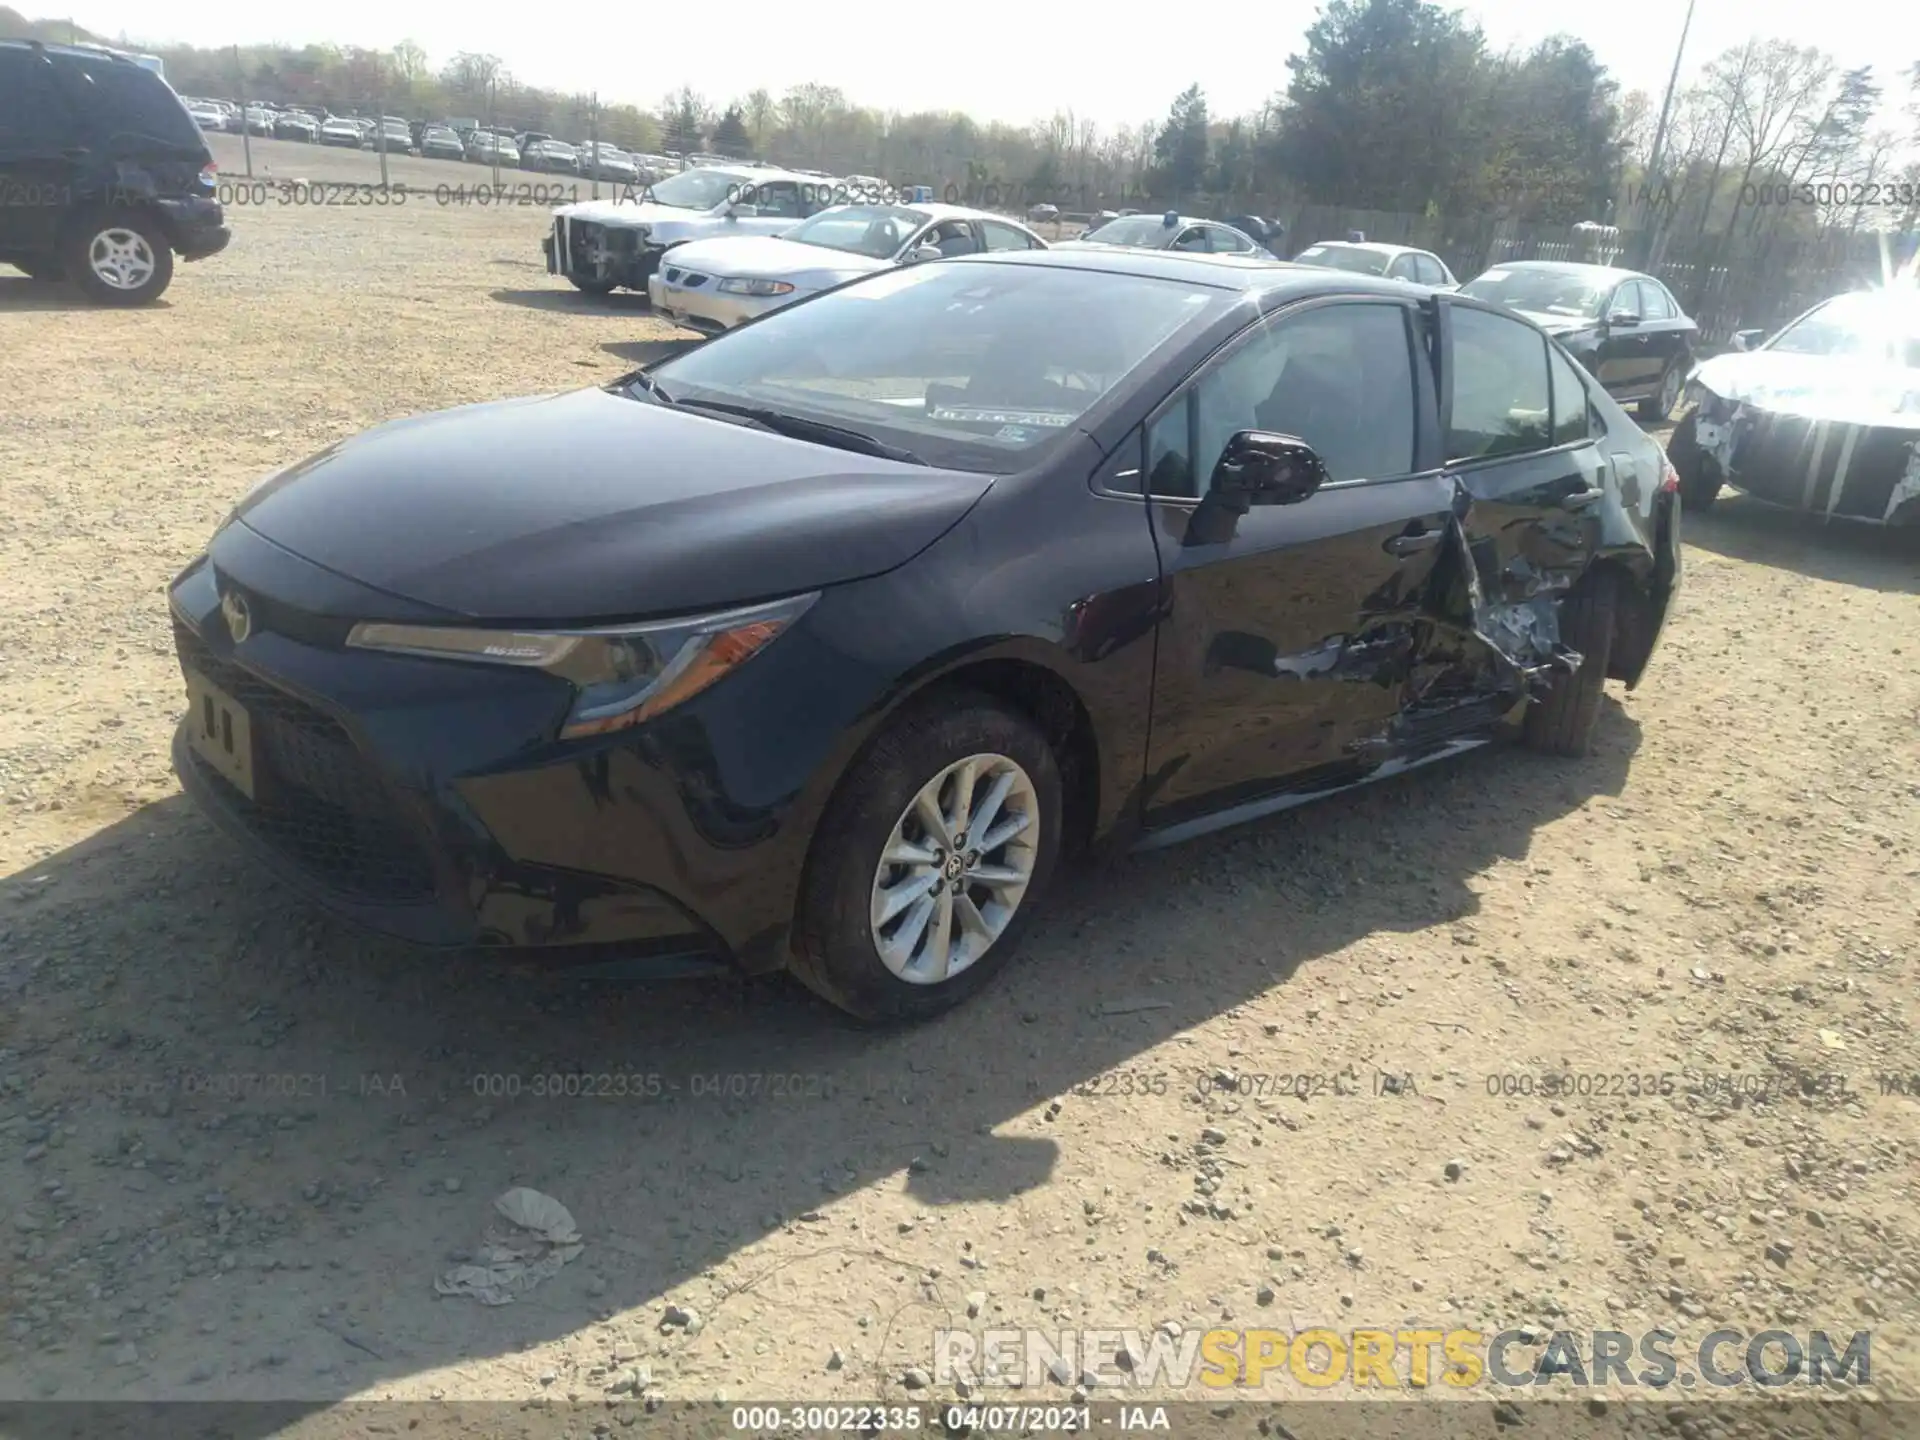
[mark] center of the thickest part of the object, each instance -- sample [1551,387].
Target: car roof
[1570,267]
[1247,273]
[73,52]
[1378,247]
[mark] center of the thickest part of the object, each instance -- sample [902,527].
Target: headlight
[622,675]
[755,287]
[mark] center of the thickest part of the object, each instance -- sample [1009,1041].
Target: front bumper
[1831,468]
[604,254]
[689,298]
[196,226]
[428,800]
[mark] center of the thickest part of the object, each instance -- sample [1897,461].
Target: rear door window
[33,121]
[120,103]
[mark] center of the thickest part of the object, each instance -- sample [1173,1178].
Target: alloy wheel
[955,869]
[121,258]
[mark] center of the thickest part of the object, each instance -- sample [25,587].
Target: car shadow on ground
[1870,556]
[20,294]
[651,352]
[576,302]
[184,959]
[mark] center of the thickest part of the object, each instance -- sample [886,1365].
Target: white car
[713,285]
[601,245]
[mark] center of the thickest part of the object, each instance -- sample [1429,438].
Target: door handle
[1413,544]
[1580,499]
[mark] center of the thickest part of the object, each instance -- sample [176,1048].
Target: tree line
[1391,105]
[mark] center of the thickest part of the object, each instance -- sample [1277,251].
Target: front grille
[317,801]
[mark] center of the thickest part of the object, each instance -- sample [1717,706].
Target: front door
[1291,630]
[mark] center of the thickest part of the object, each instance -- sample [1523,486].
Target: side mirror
[1748,339]
[1625,319]
[1258,467]
[925,252]
[738,212]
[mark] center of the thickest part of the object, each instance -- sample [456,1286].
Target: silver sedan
[713,285]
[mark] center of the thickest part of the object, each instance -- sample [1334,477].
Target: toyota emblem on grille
[239,618]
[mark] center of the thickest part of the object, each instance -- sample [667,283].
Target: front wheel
[935,850]
[1562,722]
[120,257]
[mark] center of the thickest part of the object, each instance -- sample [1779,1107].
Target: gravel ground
[238,1142]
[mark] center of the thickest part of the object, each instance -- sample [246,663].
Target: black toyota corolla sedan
[821,645]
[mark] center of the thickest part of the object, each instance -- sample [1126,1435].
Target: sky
[1011,60]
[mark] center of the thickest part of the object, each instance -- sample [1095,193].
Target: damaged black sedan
[823,645]
[1823,418]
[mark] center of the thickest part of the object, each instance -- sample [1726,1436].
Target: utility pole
[246,130]
[380,118]
[493,89]
[1657,155]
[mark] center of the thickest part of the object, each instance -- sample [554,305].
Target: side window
[1170,451]
[1430,271]
[1192,240]
[1401,269]
[1500,398]
[1339,377]
[33,119]
[1121,472]
[1225,242]
[1626,300]
[1004,237]
[1655,304]
[1572,408]
[778,197]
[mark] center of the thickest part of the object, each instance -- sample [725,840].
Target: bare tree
[1772,87]
[762,116]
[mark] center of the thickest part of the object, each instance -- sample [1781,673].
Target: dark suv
[104,176]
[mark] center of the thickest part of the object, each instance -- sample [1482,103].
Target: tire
[1563,722]
[1700,477]
[122,243]
[1659,405]
[837,951]
[593,287]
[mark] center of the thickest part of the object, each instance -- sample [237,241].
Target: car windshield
[1547,292]
[699,189]
[1345,257]
[1857,327]
[1149,231]
[874,230]
[969,365]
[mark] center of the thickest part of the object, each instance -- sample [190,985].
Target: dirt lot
[1726,889]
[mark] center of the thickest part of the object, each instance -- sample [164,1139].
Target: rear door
[1665,326]
[1292,629]
[36,130]
[1518,441]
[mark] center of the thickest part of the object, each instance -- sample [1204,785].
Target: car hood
[1859,392]
[590,506]
[626,212]
[769,256]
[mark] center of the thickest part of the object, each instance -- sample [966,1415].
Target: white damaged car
[1824,417]
[604,245]
[713,285]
